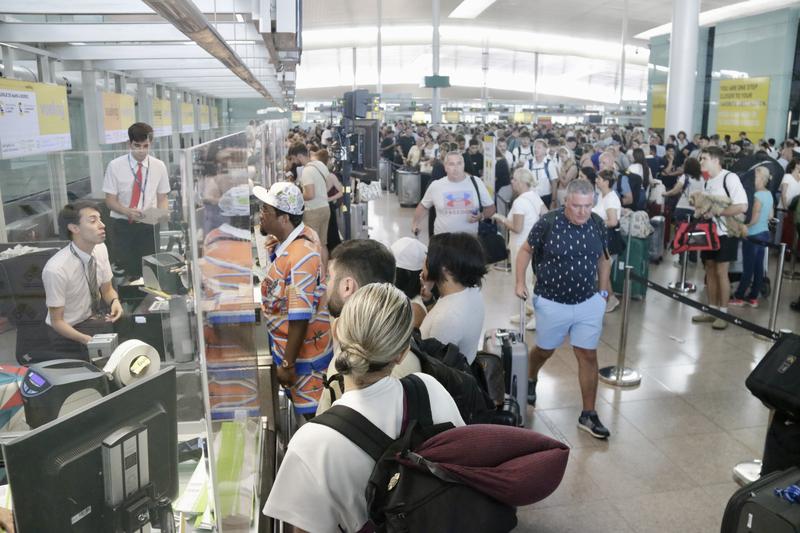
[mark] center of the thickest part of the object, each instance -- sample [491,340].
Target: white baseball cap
[283,195]
[409,254]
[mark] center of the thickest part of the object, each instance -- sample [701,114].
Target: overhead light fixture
[469,9]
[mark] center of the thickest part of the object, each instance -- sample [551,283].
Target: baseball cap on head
[284,196]
[409,253]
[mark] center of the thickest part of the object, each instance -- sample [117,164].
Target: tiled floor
[675,438]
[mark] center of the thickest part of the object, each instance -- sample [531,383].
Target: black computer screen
[55,472]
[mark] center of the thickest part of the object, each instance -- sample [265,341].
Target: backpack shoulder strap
[725,185]
[356,428]
[477,192]
[418,402]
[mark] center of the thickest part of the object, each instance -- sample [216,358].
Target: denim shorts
[583,322]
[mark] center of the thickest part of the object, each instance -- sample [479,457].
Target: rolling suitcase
[511,348]
[657,239]
[637,254]
[755,508]
[359,227]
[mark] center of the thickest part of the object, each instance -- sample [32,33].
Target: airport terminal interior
[160,242]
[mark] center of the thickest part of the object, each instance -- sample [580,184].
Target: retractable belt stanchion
[683,286]
[773,310]
[792,274]
[620,375]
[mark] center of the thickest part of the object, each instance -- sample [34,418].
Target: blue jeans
[752,267]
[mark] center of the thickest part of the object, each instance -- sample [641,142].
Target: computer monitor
[100,468]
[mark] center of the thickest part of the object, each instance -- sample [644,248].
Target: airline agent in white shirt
[77,283]
[134,183]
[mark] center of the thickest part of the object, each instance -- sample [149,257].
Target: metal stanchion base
[791,275]
[628,378]
[747,472]
[683,288]
[502,267]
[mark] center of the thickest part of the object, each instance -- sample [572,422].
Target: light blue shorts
[583,322]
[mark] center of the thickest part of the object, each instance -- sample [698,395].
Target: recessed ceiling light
[469,9]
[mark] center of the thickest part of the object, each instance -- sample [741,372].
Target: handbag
[776,379]
[494,245]
[695,236]
[616,244]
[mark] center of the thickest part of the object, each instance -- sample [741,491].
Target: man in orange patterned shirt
[297,323]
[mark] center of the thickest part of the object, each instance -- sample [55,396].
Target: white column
[93,116]
[380,47]
[436,113]
[682,66]
[622,52]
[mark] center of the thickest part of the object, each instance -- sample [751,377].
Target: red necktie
[137,189]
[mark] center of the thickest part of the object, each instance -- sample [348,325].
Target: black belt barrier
[755,328]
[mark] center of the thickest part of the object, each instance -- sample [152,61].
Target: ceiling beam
[118,7]
[108,32]
[147,64]
[138,51]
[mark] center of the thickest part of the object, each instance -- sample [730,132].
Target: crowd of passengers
[340,315]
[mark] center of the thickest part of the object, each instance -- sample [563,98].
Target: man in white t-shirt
[545,172]
[720,182]
[523,152]
[455,197]
[134,183]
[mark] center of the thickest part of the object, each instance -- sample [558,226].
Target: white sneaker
[612,303]
[531,325]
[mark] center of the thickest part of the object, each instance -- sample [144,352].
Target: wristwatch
[604,294]
[286,364]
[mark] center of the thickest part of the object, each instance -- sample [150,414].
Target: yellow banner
[34,118]
[523,117]
[162,117]
[297,117]
[205,120]
[658,100]
[452,117]
[743,107]
[187,117]
[544,120]
[119,112]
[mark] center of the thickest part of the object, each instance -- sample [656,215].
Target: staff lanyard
[86,274]
[142,186]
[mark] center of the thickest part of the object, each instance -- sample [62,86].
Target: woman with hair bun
[321,481]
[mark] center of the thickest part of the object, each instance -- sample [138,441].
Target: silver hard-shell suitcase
[510,346]
[657,239]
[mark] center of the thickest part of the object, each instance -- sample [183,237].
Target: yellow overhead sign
[119,112]
[34,118]
[162,117]
[187,117]
[658,100]
[743,107]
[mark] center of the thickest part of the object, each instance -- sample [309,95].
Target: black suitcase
[756,509]
[776,379]
[782,446]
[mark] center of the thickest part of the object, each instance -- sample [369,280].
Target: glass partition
[233,351]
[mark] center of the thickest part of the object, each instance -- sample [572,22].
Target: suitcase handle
[523,317]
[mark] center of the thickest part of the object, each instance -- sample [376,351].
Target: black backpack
[746,167]
[402,498]
[450,368]
[636,182]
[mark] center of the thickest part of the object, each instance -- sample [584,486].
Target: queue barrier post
[620,375]
[791,273]
[683,286]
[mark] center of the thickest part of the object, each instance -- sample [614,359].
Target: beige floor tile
[666,417]
[684,511]
[733,409]
[596,517]
[648,389]
[692,379]
[627,469]
[707,458]
[753,438]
